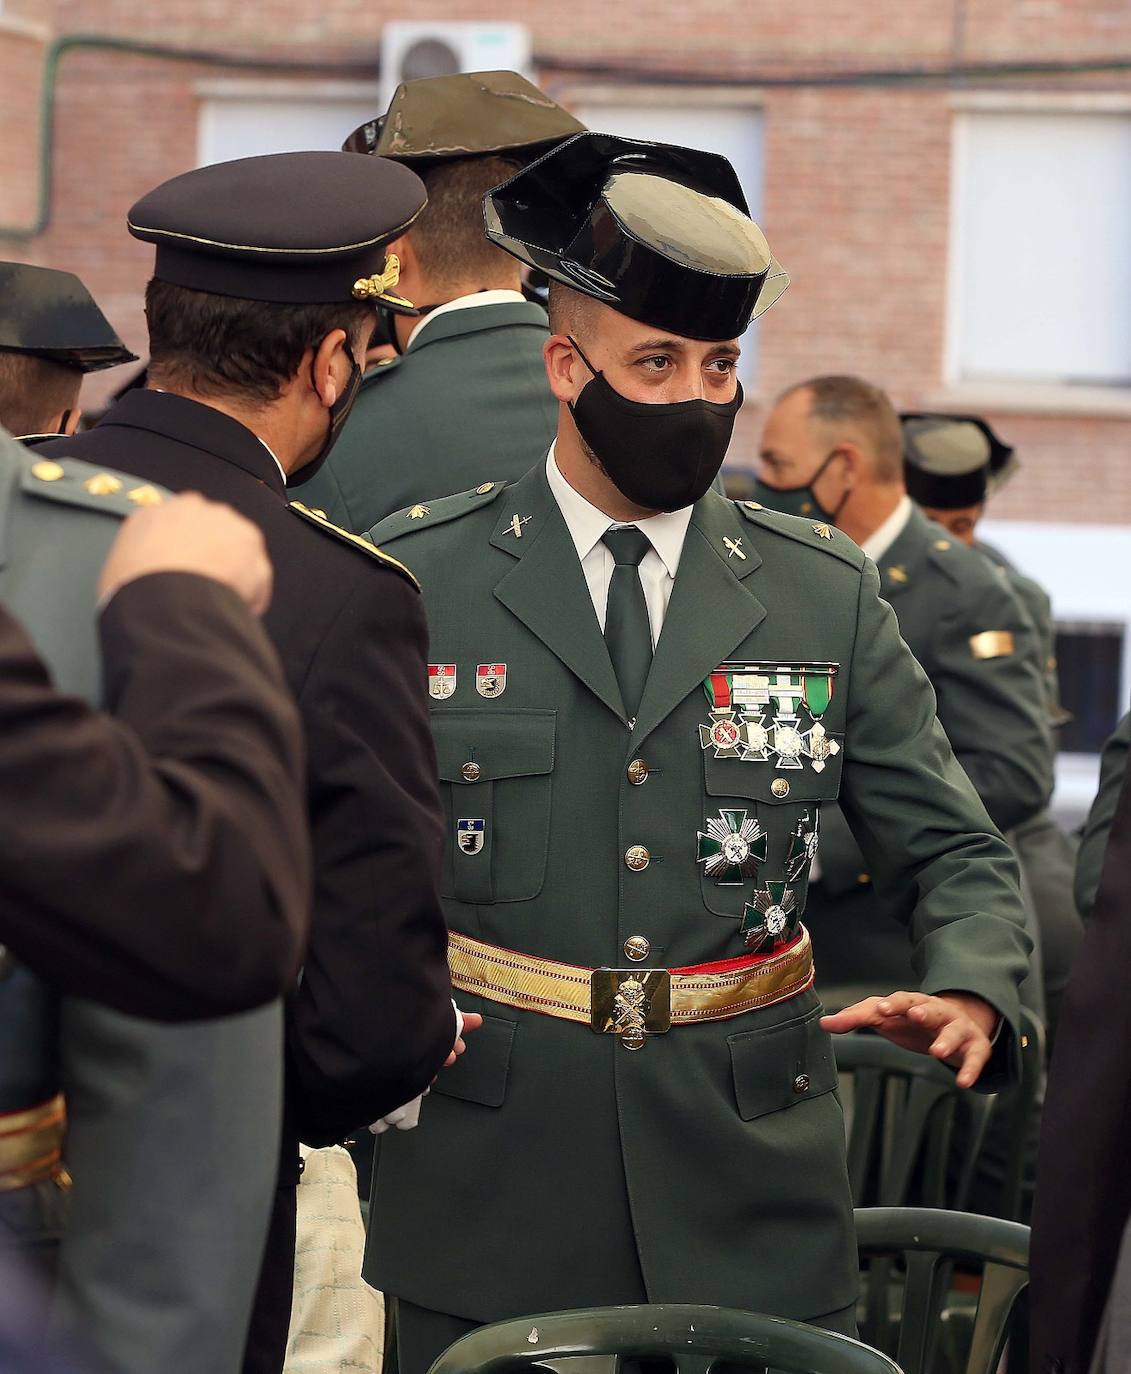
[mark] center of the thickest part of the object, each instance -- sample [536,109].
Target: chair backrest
[1023,1105]
[903,1111]
[693,1339]
[930,1243]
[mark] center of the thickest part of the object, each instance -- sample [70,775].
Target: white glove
[407,1118]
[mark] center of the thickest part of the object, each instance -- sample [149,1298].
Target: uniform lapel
[711,611]
[546,589]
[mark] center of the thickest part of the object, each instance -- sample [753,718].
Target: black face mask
[800,500]
[661,456]
[338,413]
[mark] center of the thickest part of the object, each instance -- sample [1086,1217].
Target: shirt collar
[271,451]
[500,297]
[879,541]
[586,524]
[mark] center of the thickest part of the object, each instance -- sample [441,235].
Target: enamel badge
[768,920]
[802,846]
[441,680]
[491,679]
[470,835]
[732,848]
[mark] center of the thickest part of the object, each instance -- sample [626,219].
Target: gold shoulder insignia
[419,512]
[942,545]
[822,530]
[992,644]
[358,541]
[897,574]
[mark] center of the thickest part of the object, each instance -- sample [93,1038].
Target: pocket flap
[501,743]
[781,1066]
[480,1075]
[733,777]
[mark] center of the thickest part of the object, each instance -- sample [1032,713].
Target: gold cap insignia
[47,471]
[379,286]
[419,512]
[103,484]
[146,496]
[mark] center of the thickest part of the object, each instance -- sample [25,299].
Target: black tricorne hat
[295,228]
[469,114]
[660,233]
[51,314]
[953,461]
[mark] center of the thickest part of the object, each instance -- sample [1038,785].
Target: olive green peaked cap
[470,114]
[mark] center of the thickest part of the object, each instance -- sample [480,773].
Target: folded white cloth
[407,1118]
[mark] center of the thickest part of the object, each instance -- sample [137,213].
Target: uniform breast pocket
[760,833]
[495,771]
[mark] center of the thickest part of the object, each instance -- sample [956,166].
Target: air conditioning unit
[410,51]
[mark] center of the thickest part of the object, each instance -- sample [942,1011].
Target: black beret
[953,461]
[470,114]
[662,234]
[52,315]
[296,228]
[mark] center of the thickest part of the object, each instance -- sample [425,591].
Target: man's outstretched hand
[954,1026]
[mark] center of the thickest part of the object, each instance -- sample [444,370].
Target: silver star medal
[732,848]
[768,918]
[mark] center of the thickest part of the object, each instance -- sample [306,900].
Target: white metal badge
[441,680]
[470,835]
[491,679]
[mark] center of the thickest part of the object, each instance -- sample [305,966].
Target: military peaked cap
[660,233]
[471,114]
[953,461]
[295,228]
[52,315]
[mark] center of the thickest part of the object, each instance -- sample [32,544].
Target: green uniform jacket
[468,402]
[554,1167]
[1093,842]
[991,703]
[174,1163]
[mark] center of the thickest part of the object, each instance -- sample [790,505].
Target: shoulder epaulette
[76,483]
[426,514]
[814,534]
[380,369]
[357,541]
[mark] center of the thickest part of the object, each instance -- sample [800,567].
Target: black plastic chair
[689,1339]
[910,1254]
[904,1110]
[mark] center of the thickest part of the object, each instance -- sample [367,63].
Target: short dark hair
[837,399]
[223,346]
[448,235]
[34,390]
[571,312]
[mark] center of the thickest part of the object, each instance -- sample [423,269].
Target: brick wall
[857,181]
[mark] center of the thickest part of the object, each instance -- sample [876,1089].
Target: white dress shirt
[587,524]
[465,303]
[879,541]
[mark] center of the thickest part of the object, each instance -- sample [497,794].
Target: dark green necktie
[627,631]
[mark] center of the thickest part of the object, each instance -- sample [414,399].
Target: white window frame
[1018,397]
[253,91]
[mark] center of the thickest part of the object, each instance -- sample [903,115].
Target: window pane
[1089,659]
[1043,248]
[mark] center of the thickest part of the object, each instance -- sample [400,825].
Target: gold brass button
[754,505]
[47,471]
[633,1040]
[471,772]
[638,772]
[103,484]
[637,858]
[484,488]
[806,508]
[863,879]
[801,1084]
[636,948]
[942,545]
[780,787]
[146,496]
